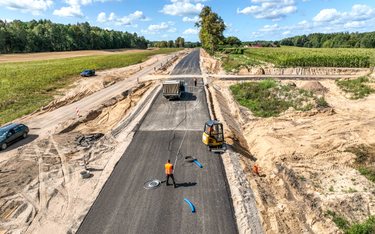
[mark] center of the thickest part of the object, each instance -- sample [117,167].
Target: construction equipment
[213,136]
[172,89]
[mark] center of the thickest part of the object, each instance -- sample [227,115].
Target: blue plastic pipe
[198,163]
[191,205]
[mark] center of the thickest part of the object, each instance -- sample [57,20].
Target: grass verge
[27,86]
[357,87]
[270,97]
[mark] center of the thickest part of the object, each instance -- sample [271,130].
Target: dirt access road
[14,58]
[125,206]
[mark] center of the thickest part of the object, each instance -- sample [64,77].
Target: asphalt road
[125,206]
[188,65]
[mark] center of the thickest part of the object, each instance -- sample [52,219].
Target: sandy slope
[300,157]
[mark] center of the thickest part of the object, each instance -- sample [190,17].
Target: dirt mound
[316,87]
[109,114]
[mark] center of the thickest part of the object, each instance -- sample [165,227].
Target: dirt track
[13,58]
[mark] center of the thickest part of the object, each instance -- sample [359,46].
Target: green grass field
[27,86]
[288,56]
[270,97]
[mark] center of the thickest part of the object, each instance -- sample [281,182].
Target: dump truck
[172,89]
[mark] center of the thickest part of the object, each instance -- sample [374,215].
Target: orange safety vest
[195,79]
[169,169]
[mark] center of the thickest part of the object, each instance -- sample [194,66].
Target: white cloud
[326,15]
[164,36]
[360,18]
[109,29]
[147,32]
[171,23]
[191,31]
[126,21]
[355,24]
[270,9]
[189,0]
[36,7]
[71,12]
[229,29]
[8,20]
[158,27]
[187,19]
[182,8]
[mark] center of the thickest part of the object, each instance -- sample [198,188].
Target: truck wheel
[4,146]
[24,135]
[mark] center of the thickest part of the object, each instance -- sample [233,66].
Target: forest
[45,36]
[332,40]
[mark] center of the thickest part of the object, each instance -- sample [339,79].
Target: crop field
[286,56]
[27,86]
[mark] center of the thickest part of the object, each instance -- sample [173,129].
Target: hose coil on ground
[152,184]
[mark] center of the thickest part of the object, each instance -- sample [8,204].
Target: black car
[88,73]
[11,133]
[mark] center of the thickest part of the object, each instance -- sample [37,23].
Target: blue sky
[168,19]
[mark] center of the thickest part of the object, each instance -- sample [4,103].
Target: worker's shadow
[186,184]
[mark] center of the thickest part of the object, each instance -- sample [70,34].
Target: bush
[321,102]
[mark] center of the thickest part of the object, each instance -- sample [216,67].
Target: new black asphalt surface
[125,206]
[188,65]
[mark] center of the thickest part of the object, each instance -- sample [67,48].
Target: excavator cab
[213,136]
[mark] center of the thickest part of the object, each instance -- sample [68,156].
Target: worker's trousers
[195,83]
[172,179]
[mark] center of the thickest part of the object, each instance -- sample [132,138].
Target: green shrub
[356,86]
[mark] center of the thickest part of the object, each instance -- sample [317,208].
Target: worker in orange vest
[195,81]
[169,172]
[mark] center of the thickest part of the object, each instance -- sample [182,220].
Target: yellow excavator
[213,136]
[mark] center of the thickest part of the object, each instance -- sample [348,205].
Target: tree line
[332,40]
[45,36]
[179,42]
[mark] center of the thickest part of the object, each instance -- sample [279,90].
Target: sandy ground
[41,189]
[12,58]
[300,156]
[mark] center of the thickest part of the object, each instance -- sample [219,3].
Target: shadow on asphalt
[186,184]
[30,138]
[185,97]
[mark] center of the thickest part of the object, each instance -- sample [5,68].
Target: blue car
[11,133]
[88,73]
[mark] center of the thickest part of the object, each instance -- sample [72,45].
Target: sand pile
[108,114]
[316,87]
[303,168]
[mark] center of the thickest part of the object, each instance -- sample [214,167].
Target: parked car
[11,133]
[88,73]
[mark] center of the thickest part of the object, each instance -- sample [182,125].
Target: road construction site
[127,131]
